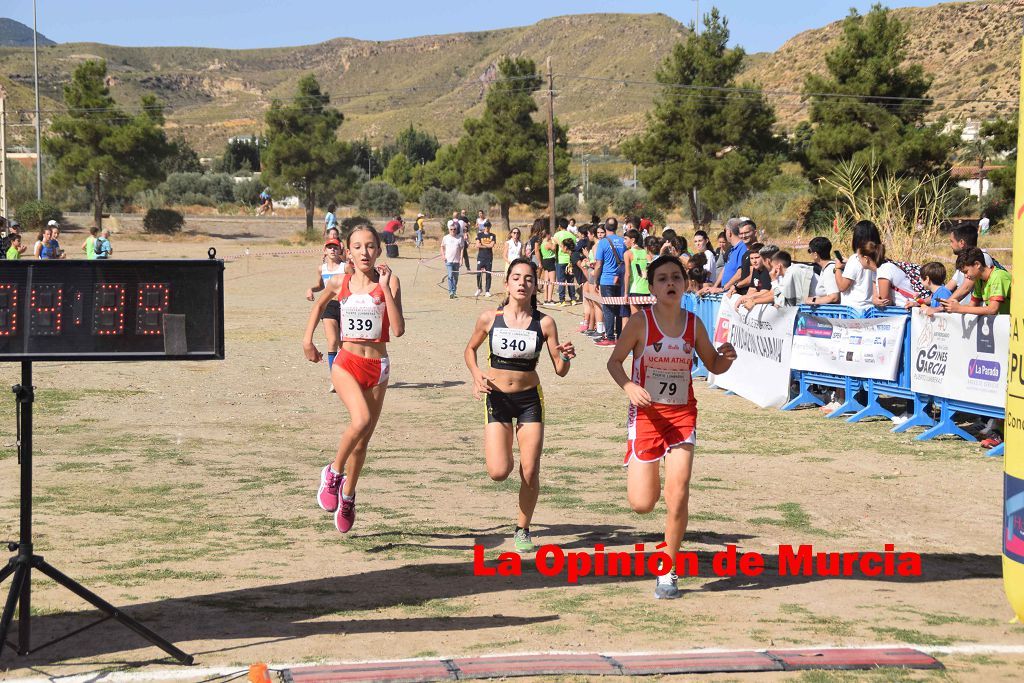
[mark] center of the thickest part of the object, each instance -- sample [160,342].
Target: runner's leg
[678,466]
[531,442]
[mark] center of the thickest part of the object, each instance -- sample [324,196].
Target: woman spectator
[892,286]
[514,245]
[856,283]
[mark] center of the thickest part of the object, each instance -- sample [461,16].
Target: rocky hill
[601,62]
[972,49]
[16,34]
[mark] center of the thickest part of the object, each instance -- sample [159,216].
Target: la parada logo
[1020,211]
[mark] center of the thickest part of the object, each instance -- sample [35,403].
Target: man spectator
[984,224]
[609,271]
[391,229]
[451,252]
[824,289]
[89,245]
[421,229]
[102,245]
[485,240]
[730,273]
[562,266]
[464,232]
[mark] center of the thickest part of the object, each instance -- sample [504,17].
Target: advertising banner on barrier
[869,348]
[960,356]
[763,338]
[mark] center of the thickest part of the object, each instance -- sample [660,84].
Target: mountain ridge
[602,90]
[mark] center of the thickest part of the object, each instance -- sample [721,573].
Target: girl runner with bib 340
[662,408]
[370,303]
[516,333]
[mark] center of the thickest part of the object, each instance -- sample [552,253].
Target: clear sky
[757,25]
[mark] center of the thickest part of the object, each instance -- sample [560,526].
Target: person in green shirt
[89,245]
[562,267]
[636,259]
[14,251]
[548,263]
[991,286]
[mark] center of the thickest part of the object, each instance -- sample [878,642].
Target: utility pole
[551,147]
[696,17]
[3,152]
[35,72]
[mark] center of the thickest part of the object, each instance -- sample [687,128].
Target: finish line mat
[462,668]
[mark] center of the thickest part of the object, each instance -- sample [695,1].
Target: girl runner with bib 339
[662,408]
[370,303]
[516,334]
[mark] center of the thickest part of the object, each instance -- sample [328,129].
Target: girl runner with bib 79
[662,408]
[370,303]
[516,334]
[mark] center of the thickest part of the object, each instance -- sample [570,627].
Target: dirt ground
[184,492]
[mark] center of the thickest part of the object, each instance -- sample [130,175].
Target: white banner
[960,356]
[763,338]
[869,348]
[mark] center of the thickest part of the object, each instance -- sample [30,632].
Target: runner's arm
[393,302]
[559,352]
[717,361]
[481,382]
[632,336]
[315,288]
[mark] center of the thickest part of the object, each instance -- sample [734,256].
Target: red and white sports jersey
[663,367]
[364,316]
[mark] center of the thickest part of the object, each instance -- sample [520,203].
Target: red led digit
[46,303]
[154,300]
[8,310]
[108,309]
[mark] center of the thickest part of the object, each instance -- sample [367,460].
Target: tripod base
[21,567]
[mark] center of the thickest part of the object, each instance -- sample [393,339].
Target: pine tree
[99,146]
[303,151]
[870,105]
[704,134]
[504,152]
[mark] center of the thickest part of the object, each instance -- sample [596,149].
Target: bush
[380,198]
[475,202]
[567,205]
[150,199]
[205,189]
[247,192]
[35,214]
[788,203]
[630,202]
[163,221]
[438,203]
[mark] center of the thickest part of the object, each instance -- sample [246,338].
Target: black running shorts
[521,406]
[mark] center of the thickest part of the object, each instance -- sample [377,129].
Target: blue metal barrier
[706,310]
[900,387]
[850,385]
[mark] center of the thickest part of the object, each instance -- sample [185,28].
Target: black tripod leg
[104,606]
[7,571]
[20,575]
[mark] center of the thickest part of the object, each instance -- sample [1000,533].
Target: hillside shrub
[163,221]
[438,203]
[567,205]
[35,214]
[205,189]
[380,198]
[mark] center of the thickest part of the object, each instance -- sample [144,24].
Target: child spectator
[934,275]
[15,250]
[824,289]
[991,285]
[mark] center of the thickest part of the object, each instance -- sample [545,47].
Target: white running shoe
[830,407]
[901,419]
[478,293]
[666,587]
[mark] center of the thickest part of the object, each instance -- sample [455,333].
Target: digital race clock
[111,310]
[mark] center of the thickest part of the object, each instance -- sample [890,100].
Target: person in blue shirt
[934,276]
[610,269]
[730,272]
[330,220]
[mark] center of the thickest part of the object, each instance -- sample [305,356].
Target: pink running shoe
[330,489]
[345,517]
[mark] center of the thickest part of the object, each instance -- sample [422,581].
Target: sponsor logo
[657,346]
[856,339]
[722,331]
[810,326]
[988,370]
